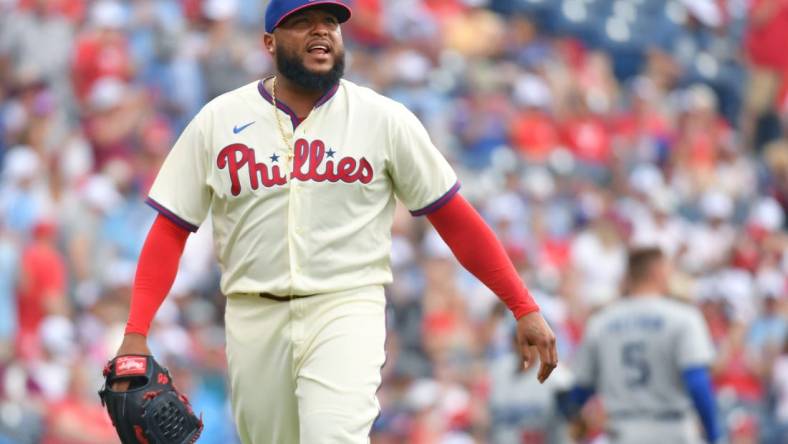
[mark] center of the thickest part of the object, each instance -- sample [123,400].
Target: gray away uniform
[633,354]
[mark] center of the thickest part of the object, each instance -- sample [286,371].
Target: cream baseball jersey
[308,211]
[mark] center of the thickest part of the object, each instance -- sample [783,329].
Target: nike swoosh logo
[237,129]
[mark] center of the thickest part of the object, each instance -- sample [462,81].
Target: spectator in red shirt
[533,130]
[113,115]
[42,287]
[78,418]
[367,25]
[74,10]
[767,34]
[585,133]
[103,52]
[445,9]
[643,129]
[765,45]
[702,133]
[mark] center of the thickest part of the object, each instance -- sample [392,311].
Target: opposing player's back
[638,349]
[647,357]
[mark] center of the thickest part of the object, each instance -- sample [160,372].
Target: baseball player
[300,172]
[523,411]
[648,356]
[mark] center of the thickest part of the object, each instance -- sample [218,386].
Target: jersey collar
[286,109]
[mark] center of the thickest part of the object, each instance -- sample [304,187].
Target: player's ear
[269,42]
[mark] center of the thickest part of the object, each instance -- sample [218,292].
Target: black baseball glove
[151,411]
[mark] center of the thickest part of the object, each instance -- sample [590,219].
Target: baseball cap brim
[340,10]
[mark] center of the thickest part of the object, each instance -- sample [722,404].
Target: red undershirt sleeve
[481,253]
[156,271]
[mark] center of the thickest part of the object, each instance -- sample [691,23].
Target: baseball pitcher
[300,172]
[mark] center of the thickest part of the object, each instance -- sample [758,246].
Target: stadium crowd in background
[578,128]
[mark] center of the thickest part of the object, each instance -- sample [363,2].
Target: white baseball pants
[306,371]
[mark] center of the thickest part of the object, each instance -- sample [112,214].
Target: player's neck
[300,100]
[646,291]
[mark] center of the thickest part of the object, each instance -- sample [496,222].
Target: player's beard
[292,67]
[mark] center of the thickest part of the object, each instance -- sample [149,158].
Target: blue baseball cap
[278,10]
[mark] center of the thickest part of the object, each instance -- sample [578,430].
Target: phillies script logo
[308,164]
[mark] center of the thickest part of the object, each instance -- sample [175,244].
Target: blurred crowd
[579,128]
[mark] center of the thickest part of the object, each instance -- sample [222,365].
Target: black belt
[665,415]
[274,297]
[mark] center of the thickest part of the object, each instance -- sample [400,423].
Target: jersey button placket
[296,316]
[293,220]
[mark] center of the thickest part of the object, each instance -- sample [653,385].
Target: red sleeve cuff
[521,310]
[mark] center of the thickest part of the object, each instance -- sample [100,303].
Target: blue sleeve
[570,402]
[698,384]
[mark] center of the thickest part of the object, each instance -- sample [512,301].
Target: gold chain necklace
[288,143]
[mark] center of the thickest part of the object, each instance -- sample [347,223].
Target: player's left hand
[534,337]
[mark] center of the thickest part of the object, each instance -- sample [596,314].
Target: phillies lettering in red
[308,165]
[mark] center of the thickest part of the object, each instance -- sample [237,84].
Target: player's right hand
[534,333]
[133,344]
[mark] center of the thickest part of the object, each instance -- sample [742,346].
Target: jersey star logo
[274,158]
[237,129]
[330,153]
